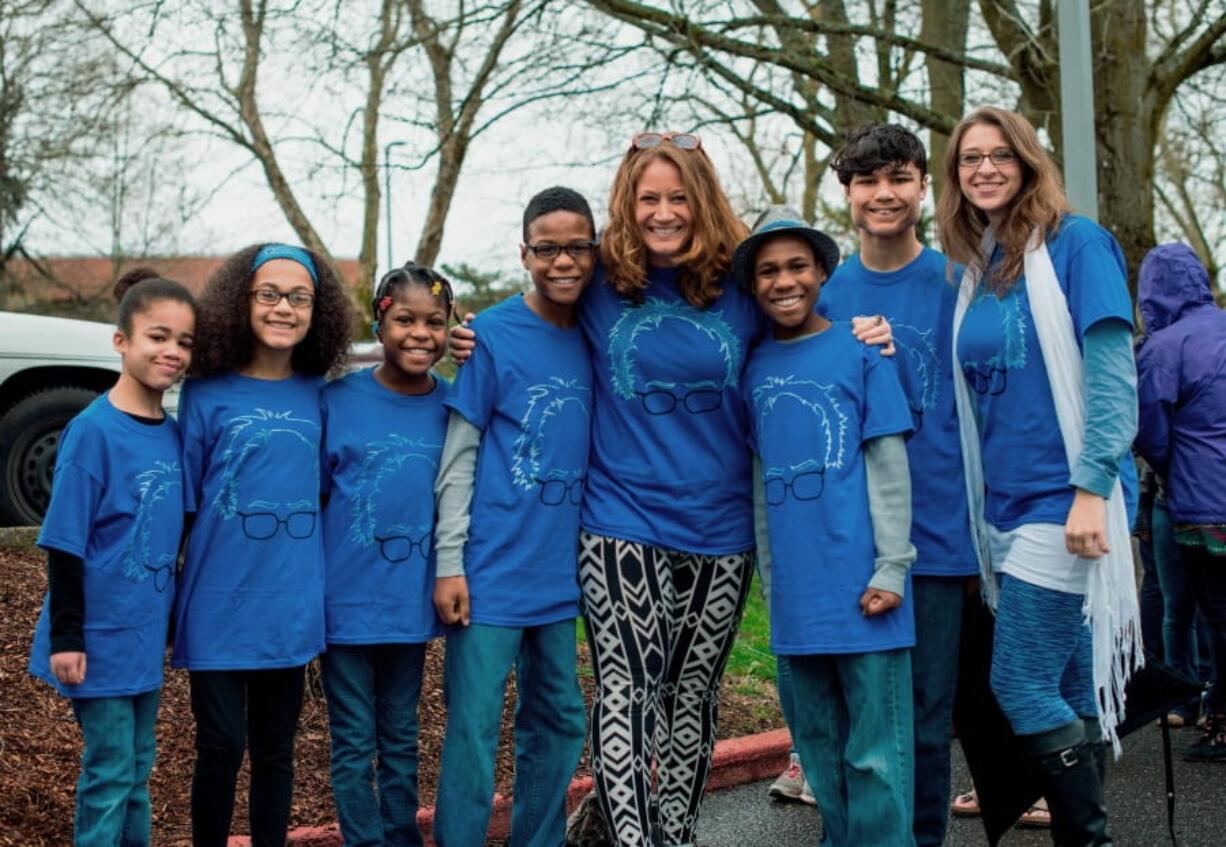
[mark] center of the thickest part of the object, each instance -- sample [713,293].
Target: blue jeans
[937,601]
[113,790]
[854,728]
[549,731]
[1184,633]
[372,692]
[1042,658]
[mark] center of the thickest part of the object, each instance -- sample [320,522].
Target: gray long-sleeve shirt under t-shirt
[453,494]
[888,479]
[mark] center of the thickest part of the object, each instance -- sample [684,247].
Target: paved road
[744,817]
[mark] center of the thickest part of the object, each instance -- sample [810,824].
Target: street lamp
[387,191]
[1077,107]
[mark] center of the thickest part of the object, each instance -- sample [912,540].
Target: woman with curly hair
[250,608]
[1043,335]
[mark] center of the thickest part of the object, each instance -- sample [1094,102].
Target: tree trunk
[945,23]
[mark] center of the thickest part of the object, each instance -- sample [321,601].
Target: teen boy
[509,488]
[833,502]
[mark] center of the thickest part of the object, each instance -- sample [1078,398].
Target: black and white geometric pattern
[660,626]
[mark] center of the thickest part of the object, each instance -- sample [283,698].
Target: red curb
[736,761]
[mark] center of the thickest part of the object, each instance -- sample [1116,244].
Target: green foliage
[476,289]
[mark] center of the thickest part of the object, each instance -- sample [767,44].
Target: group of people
[674,400]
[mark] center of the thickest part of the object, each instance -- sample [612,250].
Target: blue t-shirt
[918,301]
[669,465]
[116,504]
[528,388]
[380,458]
[1025,467]
[251,594]
[813,403]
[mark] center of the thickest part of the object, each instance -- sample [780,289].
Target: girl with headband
[250,609]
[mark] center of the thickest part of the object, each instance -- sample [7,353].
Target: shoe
[1067,765]
[965,805]
[806,795]
[1037,816]
[1212,745]
[791,783]
[586,826]
[1176,720]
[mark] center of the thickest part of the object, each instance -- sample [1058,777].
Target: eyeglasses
[660,401]
[804,486]
[992,381]
[680,140]
[549,252]
[555,492]
[271,297]
[1000,156]
[260,526]
[398,548]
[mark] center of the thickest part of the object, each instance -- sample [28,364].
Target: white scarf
[1111,598]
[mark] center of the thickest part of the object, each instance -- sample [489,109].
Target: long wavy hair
[225,341]
[716,230]
[1038,206]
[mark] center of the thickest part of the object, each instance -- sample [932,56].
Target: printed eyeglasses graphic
[990,381]
[398,548]
[260,526]
[660,399]
[807,485]
[554,492]
[161,575]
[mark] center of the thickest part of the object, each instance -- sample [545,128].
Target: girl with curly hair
[250,609]
[1046,395]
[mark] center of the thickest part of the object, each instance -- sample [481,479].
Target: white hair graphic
[380,461]
[154,486]
[545,400]
[248,434]
[636,320]
[817,398]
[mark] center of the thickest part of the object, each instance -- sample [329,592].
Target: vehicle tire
[29,435]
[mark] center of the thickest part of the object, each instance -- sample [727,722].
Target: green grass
[751,664]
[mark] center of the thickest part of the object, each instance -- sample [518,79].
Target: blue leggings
[1042,661]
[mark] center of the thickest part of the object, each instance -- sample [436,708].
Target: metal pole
[387,193]
[1077,107]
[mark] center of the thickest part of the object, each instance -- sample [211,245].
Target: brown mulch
[40,743]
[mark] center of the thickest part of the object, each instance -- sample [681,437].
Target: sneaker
[791,783]
[1212,745]
[806,795]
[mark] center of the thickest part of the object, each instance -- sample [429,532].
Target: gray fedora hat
[777,220]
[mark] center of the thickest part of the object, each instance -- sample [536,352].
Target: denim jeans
[855,731]
[549,731]
[112,805]
[1185,636]
[235,710]
[1208,577]
[937,601]
[1150,598]
[1042,658]
[372,692]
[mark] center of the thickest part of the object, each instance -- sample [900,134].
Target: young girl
[111,534]
[250,611]
[383,436]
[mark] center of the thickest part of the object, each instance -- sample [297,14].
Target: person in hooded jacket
[1181,372]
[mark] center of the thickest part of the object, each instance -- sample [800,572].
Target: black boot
[1094,736]
[1065,761]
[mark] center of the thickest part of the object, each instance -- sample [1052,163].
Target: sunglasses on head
[681,140]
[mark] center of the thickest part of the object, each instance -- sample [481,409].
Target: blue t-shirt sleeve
[885,405]
[1097,278]
[474,390]
[75,494]
[192,431]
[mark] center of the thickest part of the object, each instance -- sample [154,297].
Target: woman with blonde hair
[1043,335]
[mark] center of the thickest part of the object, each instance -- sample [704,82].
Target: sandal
[1037,816]
[965,805]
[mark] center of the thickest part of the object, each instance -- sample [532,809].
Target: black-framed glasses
[271,297]
[991,381]
[576,250]
[697,401]
[804,486]
[260,526]
[555,492]
[398,548]
[1000,157]
[681,140]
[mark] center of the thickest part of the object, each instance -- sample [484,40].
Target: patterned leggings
[660,625]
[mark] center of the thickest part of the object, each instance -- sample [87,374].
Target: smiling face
[989,187]
[560,279]
[886,202]
[158,349]
[662,212]
[787,282]
[413,331]
[280,326]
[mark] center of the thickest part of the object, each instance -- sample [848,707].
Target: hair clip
[437,288]
[385,303]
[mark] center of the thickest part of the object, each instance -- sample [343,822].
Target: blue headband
[286,251]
